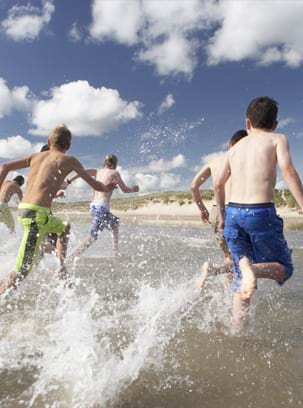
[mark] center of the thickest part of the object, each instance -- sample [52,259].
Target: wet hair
[111,160]
[19,180]
[60,136]
[44,148]
[238,135]
[262,112]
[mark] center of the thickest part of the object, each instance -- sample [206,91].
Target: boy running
[253,231]
[100,205]
[47,173]
[7,190]
[212,169]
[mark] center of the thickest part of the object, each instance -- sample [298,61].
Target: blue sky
[161,83]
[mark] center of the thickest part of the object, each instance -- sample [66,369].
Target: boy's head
[238,135]
[262,113]
[60,137]
[111,161]
[19,180]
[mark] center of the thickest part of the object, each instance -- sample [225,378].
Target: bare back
[47,173]
[105,176]
[253,163]
[8,189]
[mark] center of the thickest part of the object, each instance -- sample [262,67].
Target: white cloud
[285,122]
[156,175]
[168,102]
[25,23]
[167,34]
[151,182]
[281,185]
[119,20]
[160,165]
[212,156]
[19,98]
[75,34]
[266,31]
[86,110]
[17,146]
[163,32]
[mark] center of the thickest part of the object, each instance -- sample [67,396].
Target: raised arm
[288,170]
[5,168]
[220,192]
[196,183]
[124,188]
[96,185]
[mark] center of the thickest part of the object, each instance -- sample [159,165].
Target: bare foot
[249,280]
[205,270]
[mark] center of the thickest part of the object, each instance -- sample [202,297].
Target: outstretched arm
[288,170]
[196,183]
[5,168]
[91,172]
[124,187]
[96,185]
[220,192]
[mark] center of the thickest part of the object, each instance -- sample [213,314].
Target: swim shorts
[256,231]
[37,221]
[221,241]
[102,218]
[6,217]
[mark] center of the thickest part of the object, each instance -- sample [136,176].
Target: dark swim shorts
[256,231]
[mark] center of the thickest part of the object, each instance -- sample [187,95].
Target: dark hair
[44,148]
[61,136]
[19,180]
[238,135]
[111,160]
[262,112]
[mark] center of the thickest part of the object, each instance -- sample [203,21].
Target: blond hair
[111,160]
[60,136]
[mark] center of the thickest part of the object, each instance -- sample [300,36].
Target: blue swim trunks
[102,218]
[256,231]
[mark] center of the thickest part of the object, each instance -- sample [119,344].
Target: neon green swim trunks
[37,221]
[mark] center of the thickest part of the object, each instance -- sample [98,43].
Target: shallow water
[135,332]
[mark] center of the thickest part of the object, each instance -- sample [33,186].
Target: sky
[160,83]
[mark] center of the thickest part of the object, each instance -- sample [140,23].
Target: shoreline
[176,214]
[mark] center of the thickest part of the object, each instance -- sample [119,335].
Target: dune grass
[283,198]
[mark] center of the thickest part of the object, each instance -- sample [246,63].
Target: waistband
[100,205]
[33,207]
[259,205]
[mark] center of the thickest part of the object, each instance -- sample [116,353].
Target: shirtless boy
[253,231]
[212,169]
[100,205]
[7,190]
[47,173]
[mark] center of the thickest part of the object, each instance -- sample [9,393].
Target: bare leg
[85,244]
[240,310]
[115,238]
[250,274]
[61,250]
[211,269]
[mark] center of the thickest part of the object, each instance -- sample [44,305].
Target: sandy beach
[174,213]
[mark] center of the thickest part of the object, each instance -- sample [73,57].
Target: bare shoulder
[280,139]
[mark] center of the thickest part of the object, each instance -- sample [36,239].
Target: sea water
[135,332]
